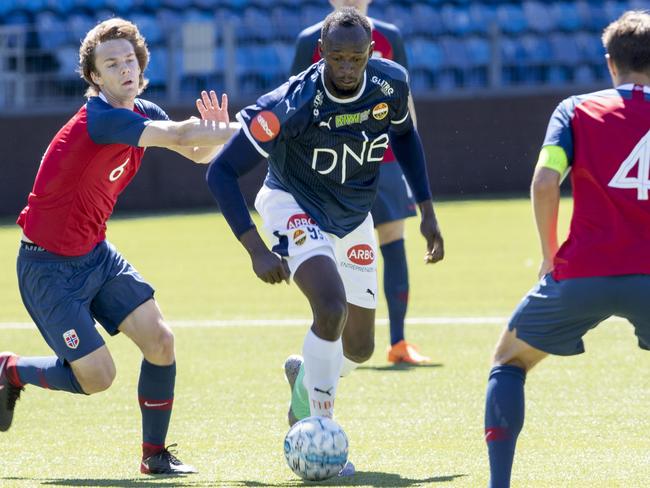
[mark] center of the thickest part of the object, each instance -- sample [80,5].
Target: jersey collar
[630,87]
[362,88]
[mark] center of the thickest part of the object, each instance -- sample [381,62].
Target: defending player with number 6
[324,134]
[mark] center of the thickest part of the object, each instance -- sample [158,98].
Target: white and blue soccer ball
[316,448]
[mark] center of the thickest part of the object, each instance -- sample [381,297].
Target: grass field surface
[586,423]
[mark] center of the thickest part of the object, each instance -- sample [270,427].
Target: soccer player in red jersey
[603,267]
[394,202]
[69,275]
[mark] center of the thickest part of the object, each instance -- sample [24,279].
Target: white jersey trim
[402,120]
[630,87]
[342,100]
[250,136]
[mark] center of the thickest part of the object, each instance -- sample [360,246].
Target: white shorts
[295,236]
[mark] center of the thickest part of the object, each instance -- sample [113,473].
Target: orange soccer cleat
[403,352]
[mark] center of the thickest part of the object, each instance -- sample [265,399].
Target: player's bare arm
[187,133]
[545,196]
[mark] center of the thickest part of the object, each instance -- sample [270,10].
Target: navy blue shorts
[555,315]
[66,295]
[394,198]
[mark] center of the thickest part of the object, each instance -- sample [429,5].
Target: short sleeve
[151,110]
[268,121]
[116,126]
[558,132]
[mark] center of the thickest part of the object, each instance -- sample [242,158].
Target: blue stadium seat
[177,4]
[478,51]
[564,48]
[590,47]
[538,16]
[286,22]
[68,60]
[79,25]
[33,6]
[455,54]
[122,7]
[51,30]
[6,7]
[511,18]
[426,20]
[400,15]
[148,27]
[285,55]
[157,69]
[312,13]
[537,50]
[456,19]
[567,16]
[583,75]
[482,16]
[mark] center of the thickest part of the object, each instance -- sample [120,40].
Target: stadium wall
[475,147]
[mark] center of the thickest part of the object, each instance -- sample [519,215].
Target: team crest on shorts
[71,338]
[299,237]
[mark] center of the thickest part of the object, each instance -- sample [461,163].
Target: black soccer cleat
[164,462]
[8,393]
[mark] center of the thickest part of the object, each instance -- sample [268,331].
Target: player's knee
[330,317]
[99,379]
[361,351]
[160,349]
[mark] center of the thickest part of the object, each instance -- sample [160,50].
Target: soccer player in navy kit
[324,133]
[603,268]
[394,201]
[69,275]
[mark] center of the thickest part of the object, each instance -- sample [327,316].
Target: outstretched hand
[210,109]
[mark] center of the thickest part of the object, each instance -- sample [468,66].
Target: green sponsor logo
[351,119]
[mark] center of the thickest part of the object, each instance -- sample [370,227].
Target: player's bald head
[346,20]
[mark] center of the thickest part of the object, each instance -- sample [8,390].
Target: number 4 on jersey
[639,157]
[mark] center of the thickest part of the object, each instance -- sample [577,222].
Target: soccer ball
[316,448]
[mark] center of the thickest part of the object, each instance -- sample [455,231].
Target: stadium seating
[451,44]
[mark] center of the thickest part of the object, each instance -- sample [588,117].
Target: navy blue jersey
[324,150]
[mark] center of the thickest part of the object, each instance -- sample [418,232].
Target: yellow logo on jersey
[380,111]
[351,119]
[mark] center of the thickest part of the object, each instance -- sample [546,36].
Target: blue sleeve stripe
[249,136]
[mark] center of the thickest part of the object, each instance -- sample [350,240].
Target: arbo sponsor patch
[299,220]
[265,126]
[361,254]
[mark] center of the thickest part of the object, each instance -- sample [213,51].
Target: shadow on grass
[401,367]
[361,478]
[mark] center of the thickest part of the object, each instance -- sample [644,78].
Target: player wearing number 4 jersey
[603,268]
[69,275]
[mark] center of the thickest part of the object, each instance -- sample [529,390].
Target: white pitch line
[189,324]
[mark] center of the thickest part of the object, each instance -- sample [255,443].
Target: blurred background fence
[485,75]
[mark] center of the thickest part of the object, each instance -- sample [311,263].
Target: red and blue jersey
[87,165]
[606,137]
[388,45]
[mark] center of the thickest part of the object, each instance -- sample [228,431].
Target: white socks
[323,361]
[348,366]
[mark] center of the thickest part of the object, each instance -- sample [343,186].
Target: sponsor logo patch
[299,237]
[351,119]
[361,254]
[380,111]
[71,338]
[299,220]
[265,126]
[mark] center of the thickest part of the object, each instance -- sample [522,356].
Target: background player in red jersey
[69,275]
[603,268]
[394,202]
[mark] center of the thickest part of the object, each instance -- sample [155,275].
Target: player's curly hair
[627,41]
[347,17]
[108,30]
